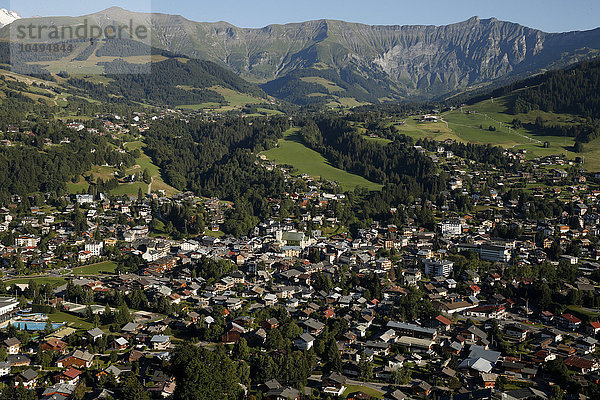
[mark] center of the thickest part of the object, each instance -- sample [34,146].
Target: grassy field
[365,389]
[71,320]
[54,281]
[91,65]
[379,140]
[330,86]
[471,124]
[80,186]
[106,267]
[202,106]
[142,162]
[235,100]
[292,151]
[145,162]
[496,111]
[345,102]
[269,111]
[210,233]
[431,130]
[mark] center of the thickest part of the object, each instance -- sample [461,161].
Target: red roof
[72,373]
[443,320]
[547,314]
[595,325]
[579,362]
[571,318]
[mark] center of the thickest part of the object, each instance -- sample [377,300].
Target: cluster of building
[472,341]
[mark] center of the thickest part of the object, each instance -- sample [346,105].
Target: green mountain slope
[556,113]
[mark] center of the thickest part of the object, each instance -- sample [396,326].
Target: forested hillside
[571,91]
[170,82]
[216,159]
[28,162]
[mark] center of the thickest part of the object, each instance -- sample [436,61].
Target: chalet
[131,328]
[286,393]
[270,324]
[77,358]
[516,332]
[581,364]
[12,345]
[487,311]
[415,344]
[421,388]
[234,334]
[544,356]
[553,334]
[456,306]
[546,316]
[489,380]
[161,265]
[413,330]
[119,343]
[28,378]
[313,326]
[474,290]
[569,321]
[593,328]
[135,355]
[586,345]
[70,376]
[18,360]
[305,341]
[396,395]
[95,334]
[396,362]
[54,345]
[160,342]
[378,348]
[565,350]
[333,383]
[4,368]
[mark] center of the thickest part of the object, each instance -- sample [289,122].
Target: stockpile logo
[109,42]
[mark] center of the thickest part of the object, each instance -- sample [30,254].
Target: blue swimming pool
[34,326]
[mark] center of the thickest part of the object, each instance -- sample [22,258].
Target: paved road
[382,387]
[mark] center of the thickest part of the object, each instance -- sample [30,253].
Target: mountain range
[329,60]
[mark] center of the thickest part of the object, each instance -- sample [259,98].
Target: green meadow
[292,151]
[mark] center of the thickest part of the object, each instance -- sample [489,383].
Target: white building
[4,368]
[27,241]
[95,248]
[8,305]
[84,198]
[438,267]
[189,245]
[451,227]
[293,238]
[495,253]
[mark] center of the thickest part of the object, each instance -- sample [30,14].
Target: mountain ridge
[370,63]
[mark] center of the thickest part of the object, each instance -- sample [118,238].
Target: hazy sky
[547,15]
